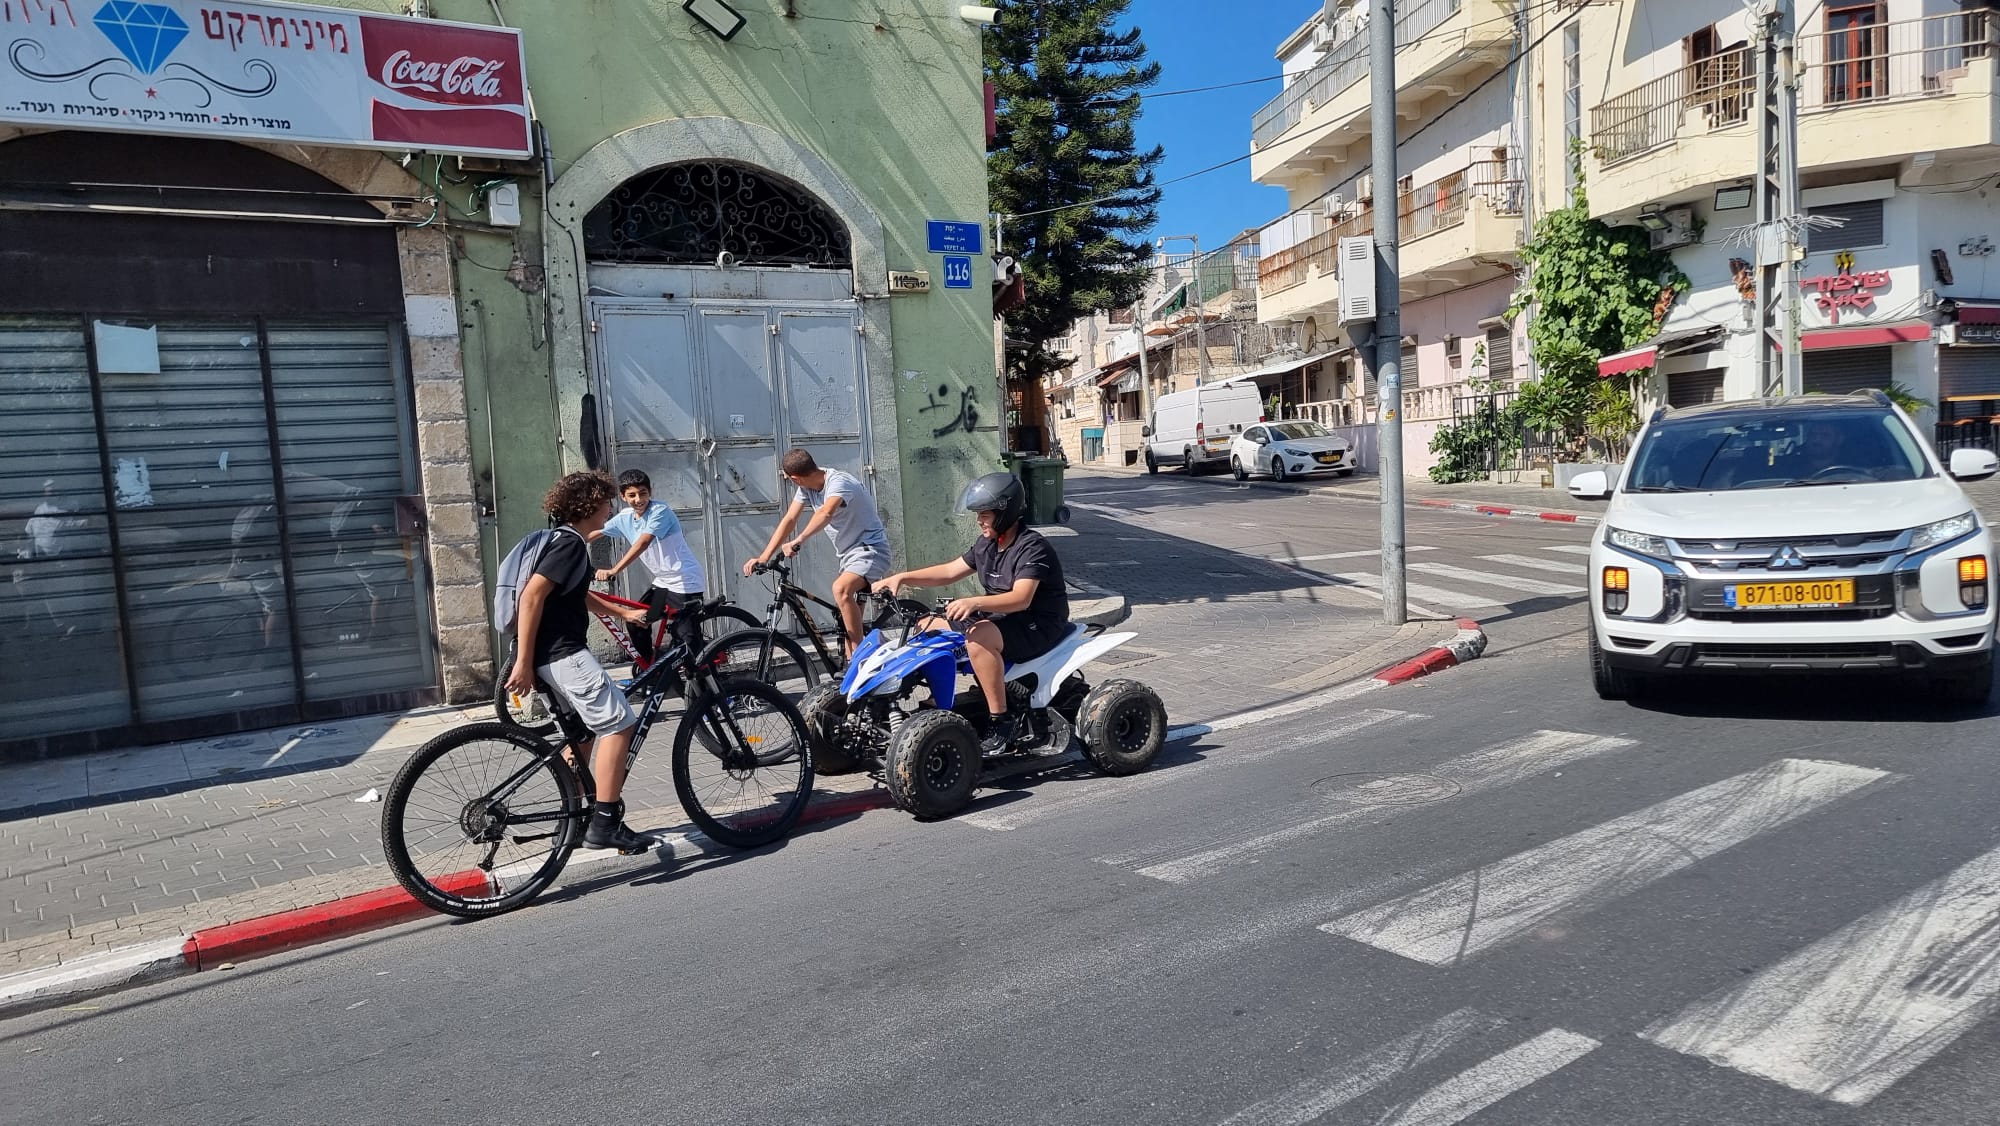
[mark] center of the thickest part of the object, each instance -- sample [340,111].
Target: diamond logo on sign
[144,33]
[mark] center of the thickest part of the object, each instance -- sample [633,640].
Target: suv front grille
[1854,655]
[1863,549]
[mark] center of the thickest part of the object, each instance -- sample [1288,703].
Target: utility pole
[1388,305]
[1145,381]
[1779,223]
[1200,308]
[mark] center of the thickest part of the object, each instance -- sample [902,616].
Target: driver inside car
[1025,610]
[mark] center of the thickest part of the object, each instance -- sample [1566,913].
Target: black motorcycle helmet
[998,493]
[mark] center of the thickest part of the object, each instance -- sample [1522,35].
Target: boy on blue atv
[1025,610]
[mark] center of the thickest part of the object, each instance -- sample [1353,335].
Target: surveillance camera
[726,260]
[977,13]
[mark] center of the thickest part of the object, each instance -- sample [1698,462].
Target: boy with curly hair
[552,641]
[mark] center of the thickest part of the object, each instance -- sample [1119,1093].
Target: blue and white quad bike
[898,712]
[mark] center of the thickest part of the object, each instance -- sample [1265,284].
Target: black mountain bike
[769,653]
[482,818]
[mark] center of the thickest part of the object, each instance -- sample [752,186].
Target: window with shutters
[1500,353]
[1694,388]
[1861,227]
[1454,353]
[1409,365]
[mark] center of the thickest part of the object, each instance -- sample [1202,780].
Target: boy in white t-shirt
[655,536]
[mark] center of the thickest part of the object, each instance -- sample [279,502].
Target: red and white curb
[212,948]
[1507,511]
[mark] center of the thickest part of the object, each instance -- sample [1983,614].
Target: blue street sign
[955,238]
[957,272]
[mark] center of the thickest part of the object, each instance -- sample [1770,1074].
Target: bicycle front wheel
[742,763]
[762,654]
[481,820]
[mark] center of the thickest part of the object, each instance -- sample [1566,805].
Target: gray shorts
[590,692]
[868,561]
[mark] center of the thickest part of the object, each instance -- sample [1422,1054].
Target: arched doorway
[725,331]
[207,491]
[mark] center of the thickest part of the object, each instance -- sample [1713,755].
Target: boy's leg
[684,628]
[847,589]
[989,669]
[642,636]
[602,708]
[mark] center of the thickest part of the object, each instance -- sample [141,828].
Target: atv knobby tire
[933,764]
[1122,725]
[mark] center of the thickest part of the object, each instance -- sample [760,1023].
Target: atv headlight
[1943,531]
[1637,543]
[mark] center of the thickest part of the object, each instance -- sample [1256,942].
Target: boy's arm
[527,623]
[784,528]
[637,549]
[819,520]
[941,574]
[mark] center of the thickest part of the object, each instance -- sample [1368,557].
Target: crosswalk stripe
[1045,804]
[1360,553]
[1457,919]
[1489,578]
[1485,1083]
[1535,564]
[1456,600]
[1356,1077]
[1570,548]
[1848,1016]
[1481,772]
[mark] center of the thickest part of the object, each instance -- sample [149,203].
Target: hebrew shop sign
[261,71]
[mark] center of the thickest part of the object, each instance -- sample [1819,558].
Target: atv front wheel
[825,712]
[933,764]
[1123,726]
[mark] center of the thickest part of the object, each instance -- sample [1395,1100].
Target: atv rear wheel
[933,764]
[1123,725]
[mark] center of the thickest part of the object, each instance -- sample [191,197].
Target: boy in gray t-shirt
[844,507]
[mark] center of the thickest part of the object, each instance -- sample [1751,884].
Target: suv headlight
[1944,531]
[1637,543]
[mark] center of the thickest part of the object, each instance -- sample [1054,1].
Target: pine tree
[1066,170]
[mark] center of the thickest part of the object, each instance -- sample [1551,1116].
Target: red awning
[1631,359]
[1970,313]
[1861,336]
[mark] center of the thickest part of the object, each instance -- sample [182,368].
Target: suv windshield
[1775,449]
[1298,430]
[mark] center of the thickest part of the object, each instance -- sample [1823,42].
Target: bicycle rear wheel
[762,654]
[746,780]
[481,820]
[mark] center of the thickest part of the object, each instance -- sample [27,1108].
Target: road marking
[1356,1077]
[1488,578]
[1535,564]
[1570,548]
[1485,1083]
[1481,772]
[1359,554]
[1458,919]
[1430,594]
[1850,1015]
[1045,804]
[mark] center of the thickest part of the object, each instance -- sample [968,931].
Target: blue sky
[1202,45]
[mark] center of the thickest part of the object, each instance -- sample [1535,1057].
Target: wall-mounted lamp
[1734,199]
[716,16]
[977,13]
[1653,221]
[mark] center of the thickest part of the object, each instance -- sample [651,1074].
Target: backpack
[514,573]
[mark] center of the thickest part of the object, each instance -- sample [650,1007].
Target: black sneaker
[1000,735]
[608,830]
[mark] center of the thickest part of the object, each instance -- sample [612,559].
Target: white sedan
[1297,448]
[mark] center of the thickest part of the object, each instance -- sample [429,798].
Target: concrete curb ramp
[219,947]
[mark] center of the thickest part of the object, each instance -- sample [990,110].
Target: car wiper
[1807,483]
[1663,489]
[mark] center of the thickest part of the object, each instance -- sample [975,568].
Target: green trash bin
[1043,477]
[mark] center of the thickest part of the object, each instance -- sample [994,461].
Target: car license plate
[1789,596]
[1327,459]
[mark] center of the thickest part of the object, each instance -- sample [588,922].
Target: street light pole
[1779,366]
[1388,306]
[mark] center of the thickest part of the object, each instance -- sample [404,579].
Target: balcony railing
[1420,211]
[1856,66]
[1347,65]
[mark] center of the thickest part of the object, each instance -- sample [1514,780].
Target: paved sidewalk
[119,848]
[1519,493]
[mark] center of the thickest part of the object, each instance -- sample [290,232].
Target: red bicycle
[716,616]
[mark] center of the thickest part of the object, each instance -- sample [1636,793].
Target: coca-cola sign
[264,70]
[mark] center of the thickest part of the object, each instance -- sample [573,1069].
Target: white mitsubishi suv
[1806,534]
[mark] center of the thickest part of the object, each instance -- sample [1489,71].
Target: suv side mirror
[1974,465]
[1145,432]
[1594,485]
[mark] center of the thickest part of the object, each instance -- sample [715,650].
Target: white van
[1193,429]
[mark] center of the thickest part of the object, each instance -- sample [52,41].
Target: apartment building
[1899,149]
[1461,200]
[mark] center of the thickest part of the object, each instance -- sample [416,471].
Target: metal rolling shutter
[1964,371]
[1694,388]
[1500,353]
[1838,371]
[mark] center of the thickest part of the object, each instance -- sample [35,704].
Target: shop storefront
[222,505]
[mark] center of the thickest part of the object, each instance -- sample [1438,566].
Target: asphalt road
[1483,897]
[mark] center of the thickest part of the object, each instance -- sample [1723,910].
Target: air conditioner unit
[1364,187]
[1344,27]
[1355,271]
[1671,228]
[1333,206]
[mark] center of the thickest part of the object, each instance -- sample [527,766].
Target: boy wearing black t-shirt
[552,642]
